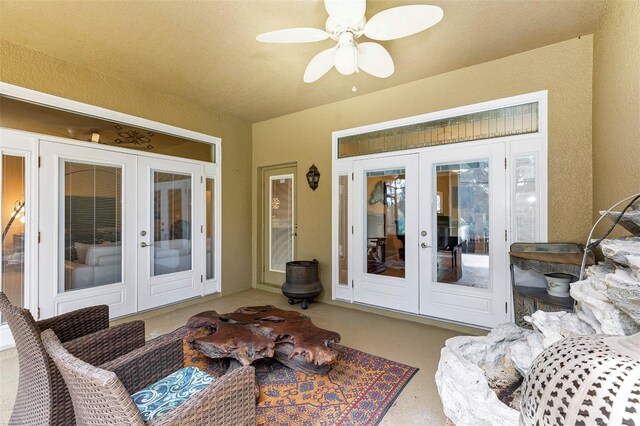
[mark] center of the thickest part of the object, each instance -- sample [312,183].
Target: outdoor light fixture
[313,177]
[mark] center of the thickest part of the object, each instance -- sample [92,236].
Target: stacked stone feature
[477,376]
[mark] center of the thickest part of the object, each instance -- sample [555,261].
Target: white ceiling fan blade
[375,60]
[345,12]
[402,21]
[319,65]
[293,35]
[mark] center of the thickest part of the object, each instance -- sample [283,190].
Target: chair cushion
[168,393]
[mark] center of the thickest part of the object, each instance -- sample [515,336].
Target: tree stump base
[257,332]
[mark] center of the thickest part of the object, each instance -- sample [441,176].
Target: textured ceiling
[206,52]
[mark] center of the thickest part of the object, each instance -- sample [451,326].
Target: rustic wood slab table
[257,332]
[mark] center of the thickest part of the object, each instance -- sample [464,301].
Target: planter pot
[302,283]
[558,284]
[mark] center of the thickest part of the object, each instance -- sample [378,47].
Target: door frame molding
[345,166]
[261,233]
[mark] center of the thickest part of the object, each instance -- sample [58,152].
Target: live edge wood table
[258,332]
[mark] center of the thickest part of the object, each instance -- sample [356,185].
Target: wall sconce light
[313,177]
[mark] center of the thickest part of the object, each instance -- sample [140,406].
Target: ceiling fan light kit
[346,23]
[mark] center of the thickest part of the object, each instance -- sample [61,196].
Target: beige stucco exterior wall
[34,70]
[564,69]
[616,104]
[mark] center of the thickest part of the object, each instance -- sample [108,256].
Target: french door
[429,233]
[386,228]
[169,232]
[119,229]
[463,247]
[87,231]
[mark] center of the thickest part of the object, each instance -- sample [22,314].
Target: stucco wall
[616,104]
[34,70]
[564,69]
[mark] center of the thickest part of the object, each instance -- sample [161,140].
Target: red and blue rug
[358,390]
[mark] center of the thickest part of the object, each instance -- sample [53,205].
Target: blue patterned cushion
[166,394]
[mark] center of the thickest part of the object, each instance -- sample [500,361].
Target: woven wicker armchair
[43,398]
[102,397]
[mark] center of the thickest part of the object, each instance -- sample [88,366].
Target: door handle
[424,245]
[143,244]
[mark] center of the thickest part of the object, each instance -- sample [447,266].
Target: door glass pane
[385,222]
[281,222]
[171,223]
[343,230]
[462,224]
[525,200]
[13,227]
[91,224]
[210,226]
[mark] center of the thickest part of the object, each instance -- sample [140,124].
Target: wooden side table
[544,258]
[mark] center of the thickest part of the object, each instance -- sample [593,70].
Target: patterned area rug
[358,390]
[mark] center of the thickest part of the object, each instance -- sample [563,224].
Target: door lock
[143,233]
[423,233]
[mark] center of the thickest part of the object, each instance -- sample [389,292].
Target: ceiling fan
[346,23]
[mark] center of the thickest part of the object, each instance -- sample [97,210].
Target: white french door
[121,229]
[463,247]
[87,229]
[429,233]
[170,231]
[385,230]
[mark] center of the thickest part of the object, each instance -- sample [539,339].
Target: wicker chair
[101,396]
[42,397]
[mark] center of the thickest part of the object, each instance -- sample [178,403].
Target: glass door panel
[278,222]
[210,228]
[343,230]
[281,225]
[91,223]
[385,222]
[13,205]
[171,218]
[462,224]
[525,203]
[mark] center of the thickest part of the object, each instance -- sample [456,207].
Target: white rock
[463,386]
[555,326]
[634,265]
[623,289]
[592,299]
[620,249]
[601,270]
[523,352]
